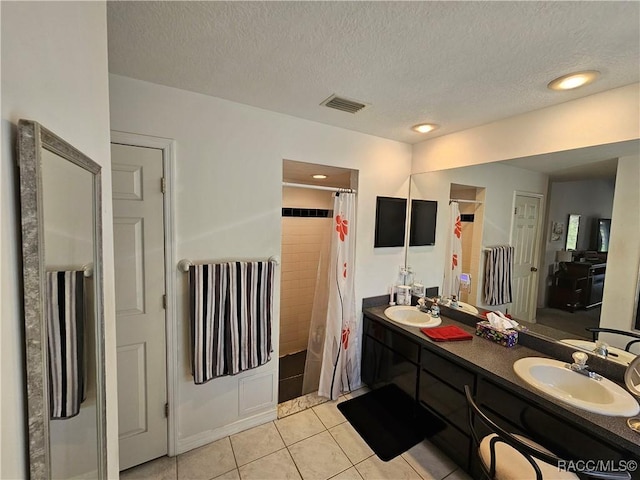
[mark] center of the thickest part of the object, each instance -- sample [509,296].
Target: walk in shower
[307,221]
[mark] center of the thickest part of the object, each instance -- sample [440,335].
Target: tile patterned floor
[315,444]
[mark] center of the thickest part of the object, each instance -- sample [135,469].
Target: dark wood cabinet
[389,357]
[436,382]
[441,392]
[518,415]
[578,285]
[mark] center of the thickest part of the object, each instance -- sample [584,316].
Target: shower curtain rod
[464,201]
[319,187]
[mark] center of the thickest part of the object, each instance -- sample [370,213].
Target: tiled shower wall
[302,240]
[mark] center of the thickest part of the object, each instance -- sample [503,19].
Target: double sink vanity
[522,388]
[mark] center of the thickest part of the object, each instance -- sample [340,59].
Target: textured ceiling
[458,64]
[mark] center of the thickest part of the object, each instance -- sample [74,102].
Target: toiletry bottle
[401,290]
[435,308]
[417,289]
[404,295]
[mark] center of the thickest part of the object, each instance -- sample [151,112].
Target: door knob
[534,269]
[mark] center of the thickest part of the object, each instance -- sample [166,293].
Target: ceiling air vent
[343,104]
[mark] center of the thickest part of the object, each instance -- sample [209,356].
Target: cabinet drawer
[447,371]
[518,415]
[445,400]
[397,342]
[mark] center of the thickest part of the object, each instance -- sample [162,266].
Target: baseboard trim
[204,438]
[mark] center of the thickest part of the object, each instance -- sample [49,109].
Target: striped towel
[231,309]
[498,268]
[64,313]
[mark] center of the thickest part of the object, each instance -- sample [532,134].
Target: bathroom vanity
[434,375]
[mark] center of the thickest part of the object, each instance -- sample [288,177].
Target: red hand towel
[449,333]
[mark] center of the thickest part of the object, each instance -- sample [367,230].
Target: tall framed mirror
[60,191]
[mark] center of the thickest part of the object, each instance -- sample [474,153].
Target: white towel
[64,313]
[231,312]
[498,268]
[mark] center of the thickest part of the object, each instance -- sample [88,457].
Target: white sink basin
[465,307]
[598,396]
[615,354]
[411,316]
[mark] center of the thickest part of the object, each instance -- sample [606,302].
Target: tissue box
[506,338]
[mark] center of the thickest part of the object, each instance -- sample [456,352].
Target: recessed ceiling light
[424,127]
[573,80]
[319,177]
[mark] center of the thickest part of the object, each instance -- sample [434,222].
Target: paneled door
[138,231]
[524,238]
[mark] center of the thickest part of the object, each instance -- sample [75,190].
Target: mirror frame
[32,139]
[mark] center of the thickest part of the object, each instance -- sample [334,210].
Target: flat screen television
[422,230]
[603,228]
[391,219]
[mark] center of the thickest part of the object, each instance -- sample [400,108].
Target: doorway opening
[307,220]
[471,204]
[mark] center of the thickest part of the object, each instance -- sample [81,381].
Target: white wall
[54,71]
[592,199]
[623,268]
[500,183]
[228,201]
[607,117]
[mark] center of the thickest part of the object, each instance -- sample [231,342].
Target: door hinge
[166,410]
[164,302]
[163,185]
[515,210]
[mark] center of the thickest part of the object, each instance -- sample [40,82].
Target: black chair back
[529,452]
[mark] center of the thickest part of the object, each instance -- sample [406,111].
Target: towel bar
[184,264]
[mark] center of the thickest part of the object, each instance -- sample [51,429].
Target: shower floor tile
[289,388]
[291,376]
[292,365]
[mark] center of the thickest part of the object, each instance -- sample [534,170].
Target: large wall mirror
[62,251]
[578,186]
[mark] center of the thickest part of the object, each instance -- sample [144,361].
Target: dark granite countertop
[495,363]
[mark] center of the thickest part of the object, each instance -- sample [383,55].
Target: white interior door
[140,286]
[524,239]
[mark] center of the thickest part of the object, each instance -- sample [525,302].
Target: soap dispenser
[435,308]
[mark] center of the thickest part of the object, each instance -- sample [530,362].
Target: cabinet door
[445,400]
[519,416]
[381,366]
[596,291]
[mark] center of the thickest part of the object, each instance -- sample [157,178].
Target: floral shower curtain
[341,357]
[452,271]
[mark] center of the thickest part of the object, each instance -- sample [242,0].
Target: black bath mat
[388,420]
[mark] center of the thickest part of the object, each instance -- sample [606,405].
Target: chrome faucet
[580,366]
[422,304]
[602,349]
